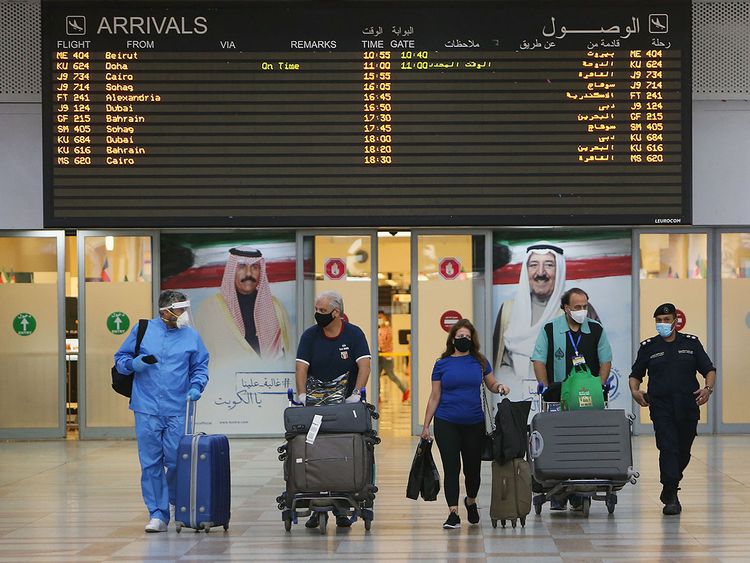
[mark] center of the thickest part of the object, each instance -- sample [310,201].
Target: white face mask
[579,316]
[183,320]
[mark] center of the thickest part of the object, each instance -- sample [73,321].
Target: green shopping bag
[581,390]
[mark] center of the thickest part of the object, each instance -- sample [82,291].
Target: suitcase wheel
[226,527]
[368,525]
[610,503]
[502,523]
[288,524]
[281,449]
[494,523]
[523,521]
[586,506]
[513,522]
[323,523]
[178,527]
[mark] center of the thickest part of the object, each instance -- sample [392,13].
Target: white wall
[21,166]
[721,163]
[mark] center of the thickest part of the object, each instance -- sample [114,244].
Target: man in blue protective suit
[171,367]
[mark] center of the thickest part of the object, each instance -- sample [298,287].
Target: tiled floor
[80,501]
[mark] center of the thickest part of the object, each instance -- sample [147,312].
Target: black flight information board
[342,113]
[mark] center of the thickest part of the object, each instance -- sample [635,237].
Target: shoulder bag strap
[489,424]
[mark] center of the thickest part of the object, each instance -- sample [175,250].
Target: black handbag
[424,478]
[123,383]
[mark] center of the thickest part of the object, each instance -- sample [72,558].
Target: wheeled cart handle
[290,396]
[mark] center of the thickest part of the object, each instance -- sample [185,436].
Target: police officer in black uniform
[673,397]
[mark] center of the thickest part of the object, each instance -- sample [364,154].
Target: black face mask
[324,319]
[462,344]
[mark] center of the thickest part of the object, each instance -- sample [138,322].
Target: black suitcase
[343,418]
[585,444]
[339,463]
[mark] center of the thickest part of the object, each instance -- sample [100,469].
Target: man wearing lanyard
[571,340]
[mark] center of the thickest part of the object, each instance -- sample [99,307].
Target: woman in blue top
[456,403]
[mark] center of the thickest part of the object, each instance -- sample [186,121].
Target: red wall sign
[681,320]
[448,319]
[334,268]
[449,268]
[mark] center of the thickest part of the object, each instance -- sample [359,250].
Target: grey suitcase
[511,492]
[353,418]
[585,444]
[340,463]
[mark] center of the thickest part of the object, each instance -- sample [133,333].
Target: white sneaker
[156,525]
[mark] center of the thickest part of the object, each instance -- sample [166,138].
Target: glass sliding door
[343,263]
[674,268]
[32,333]
[734,326]
[116,289]
[449,274]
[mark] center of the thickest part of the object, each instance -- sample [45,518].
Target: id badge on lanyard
[577,359]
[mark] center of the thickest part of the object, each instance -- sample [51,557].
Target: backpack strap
[142,326]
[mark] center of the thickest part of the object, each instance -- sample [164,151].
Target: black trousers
[458,442]
[675,425]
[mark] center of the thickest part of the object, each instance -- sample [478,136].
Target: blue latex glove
[138,364]
[193,394]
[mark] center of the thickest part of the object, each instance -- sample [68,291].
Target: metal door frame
[107,432]
[59,430]
[486,335]
[711,314]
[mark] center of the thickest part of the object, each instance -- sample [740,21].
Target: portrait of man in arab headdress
[537,301]
[243,316]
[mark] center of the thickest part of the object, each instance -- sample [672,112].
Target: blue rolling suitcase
[203,479]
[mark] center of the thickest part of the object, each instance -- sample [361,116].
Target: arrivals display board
[343,113]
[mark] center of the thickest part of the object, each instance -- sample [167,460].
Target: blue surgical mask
[664,329]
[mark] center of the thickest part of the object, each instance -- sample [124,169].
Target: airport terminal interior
[429,162]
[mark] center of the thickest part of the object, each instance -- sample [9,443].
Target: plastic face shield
[181,312]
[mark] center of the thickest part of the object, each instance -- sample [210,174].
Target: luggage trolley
[567,480]
[304,504]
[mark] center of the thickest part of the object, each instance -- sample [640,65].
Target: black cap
[665,309]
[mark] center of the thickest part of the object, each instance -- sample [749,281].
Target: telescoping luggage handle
[293,403]
[190,420]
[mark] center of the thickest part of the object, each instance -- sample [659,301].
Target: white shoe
[156,525]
